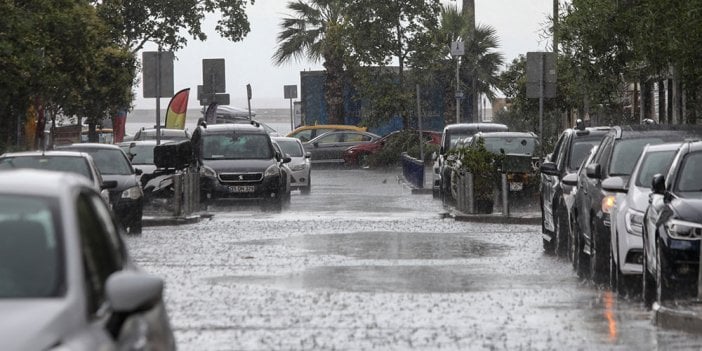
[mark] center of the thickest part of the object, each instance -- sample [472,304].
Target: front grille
[240,177]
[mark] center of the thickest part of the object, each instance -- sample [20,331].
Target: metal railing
[465,201]
[413,170]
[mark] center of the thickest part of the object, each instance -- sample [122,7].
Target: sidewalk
[680,315]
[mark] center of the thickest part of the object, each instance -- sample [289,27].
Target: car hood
[32,324]
[239,165]
[638,198]
[687,209]
[124,182]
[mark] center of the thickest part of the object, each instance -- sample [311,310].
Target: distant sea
[277,118]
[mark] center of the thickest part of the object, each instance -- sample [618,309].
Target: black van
[238,161]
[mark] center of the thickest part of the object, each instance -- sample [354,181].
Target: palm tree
[480,61]
[316,32]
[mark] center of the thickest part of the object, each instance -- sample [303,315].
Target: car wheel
[135,227]
[560,233]
[648,288]
[664,290]
[363,161]
[599,258]
[306,190]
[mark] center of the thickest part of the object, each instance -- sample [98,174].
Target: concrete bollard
[177,193]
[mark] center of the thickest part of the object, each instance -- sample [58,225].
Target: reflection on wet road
[362,264]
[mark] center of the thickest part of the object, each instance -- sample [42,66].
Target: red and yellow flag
[175,115]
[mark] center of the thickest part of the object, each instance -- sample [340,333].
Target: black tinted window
[580,150]
[236,146]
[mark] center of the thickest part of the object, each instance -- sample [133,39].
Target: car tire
[664,289]
[308,189]
[599,258]
[363,161]
[560,233]
[648,287]
[136,227]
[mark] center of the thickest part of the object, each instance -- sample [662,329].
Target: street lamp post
[458,50]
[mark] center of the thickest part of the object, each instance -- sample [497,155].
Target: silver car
[299,167]
[329,147]
[66,279]
[631,200]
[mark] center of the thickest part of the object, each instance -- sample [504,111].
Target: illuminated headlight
[633,221]
[133,193]
[273,170]
[350,152]
[678,229]
[207,172]
[607,203]
[298,167]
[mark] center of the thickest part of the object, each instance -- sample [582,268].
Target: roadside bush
[484,165]
[408,142]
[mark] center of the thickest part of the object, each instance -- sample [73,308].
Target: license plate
[516,186]
[241,188]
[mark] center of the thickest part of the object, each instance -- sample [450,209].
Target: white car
[628,212]
[66,279]
[299,167]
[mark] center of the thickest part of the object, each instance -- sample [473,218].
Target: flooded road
[361,263]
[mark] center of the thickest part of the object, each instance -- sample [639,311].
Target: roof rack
[255,124]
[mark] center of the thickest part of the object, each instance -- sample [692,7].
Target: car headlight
[678,229]
[607,203]
[273,170]
[298,167]
[633,220]
[207,172]
[133,193]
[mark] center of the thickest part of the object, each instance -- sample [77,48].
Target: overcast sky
[519,25]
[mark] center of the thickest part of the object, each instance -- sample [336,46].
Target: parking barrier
[413,170]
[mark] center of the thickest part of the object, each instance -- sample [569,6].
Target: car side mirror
[658,184]
[130,292]
[287,158]
[138,171]
[570,179]
[308,154]
[615,184]
[434,156]
[593,171]
[108,184]
[549,168]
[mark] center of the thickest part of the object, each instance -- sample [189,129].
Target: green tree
[166,22]
[316,31]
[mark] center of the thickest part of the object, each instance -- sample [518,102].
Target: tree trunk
[661,102]
[334,91]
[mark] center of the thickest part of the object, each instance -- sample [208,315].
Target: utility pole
[468,11]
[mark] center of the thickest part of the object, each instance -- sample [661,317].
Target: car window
[100,256]
[142,154]
[30,254]
[331,138]
[652,164]
[689,179]
[355,137]
[626,153]
[557,149]
[291,147]
[236,146]
[581,148]
[71,164]
[303,135]
[510,145]
[110,161]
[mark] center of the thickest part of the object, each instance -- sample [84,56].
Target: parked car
[672,228]
[519,150]
[67,281]
[166,134]
[631,200]
[329,147]
[451,134]
[572,147]
[616,156]
[307,133]
[141,155]
[357,156]
[299,168]
[238,161]
[61,161]
[127,198]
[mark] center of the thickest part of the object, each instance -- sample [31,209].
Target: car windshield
[142,154]
[652,164]
[581,148]
[689,179]
[30,254]
[625,154]
[291,147]
[110,161]
[236,146]
[457,135]
[510,145]
[71,164]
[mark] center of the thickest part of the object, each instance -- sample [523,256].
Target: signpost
[290,92]
[248,97]
[458,50]
[158,80]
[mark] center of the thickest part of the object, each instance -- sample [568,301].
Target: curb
[685,316]
[497,218]
[153,221]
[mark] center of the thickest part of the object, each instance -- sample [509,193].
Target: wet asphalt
[361,263]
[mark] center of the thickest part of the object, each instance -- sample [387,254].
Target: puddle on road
[392,246]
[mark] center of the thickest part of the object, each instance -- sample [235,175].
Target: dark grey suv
[238,161]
